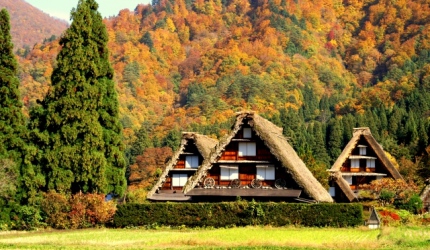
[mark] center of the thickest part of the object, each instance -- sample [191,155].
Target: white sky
[61,8]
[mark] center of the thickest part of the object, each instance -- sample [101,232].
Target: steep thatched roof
[425,193]
[343,185]
[359,133]
[273,138]
[204,145]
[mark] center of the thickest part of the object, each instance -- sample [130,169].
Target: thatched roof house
[273,139]
[361,161]
[202,146]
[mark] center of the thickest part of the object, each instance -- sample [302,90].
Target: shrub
[240,213]
[28,218]
[56,208]
[389,218]
[386,196]
[77,211]
[90,210]
[389,190]
[414,204]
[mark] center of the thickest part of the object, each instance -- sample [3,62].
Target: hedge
[240,213]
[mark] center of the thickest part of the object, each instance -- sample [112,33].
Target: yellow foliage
[170,25]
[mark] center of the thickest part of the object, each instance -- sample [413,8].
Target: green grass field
[230,238]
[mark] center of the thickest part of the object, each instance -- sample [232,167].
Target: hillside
[316,68]
[29,24]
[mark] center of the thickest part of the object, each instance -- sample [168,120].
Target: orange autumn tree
[148,167]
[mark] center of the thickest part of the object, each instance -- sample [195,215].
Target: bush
[29,218]
[414,204]
[56,207]
[389,218]
[240,213]
[88,210]
[77,211]
[386,196]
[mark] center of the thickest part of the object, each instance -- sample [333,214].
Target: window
[247,133]
[247,149]
[355,163]
[265,172]
[229,172]
[348,179]
[179,180]
[192,161]
[362,150]
[371,163]
[332,191]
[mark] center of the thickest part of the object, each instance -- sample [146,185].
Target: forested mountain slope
[30,25]
[317,68]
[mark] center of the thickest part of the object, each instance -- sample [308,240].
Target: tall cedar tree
[77,124]
[12,121]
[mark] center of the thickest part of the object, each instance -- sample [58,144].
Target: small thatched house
[254,161]
[362,161]
[194,148]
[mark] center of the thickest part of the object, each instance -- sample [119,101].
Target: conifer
[334,139]
[77,124]
[12,121]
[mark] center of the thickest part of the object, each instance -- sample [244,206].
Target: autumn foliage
[148,167]
[189,65]
[77,211]
[30,25]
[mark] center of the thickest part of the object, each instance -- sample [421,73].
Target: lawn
[231,238]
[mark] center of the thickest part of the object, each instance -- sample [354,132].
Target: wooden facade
[181,170]
[362,166]
[247,168]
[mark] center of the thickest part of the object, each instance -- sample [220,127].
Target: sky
[61,8]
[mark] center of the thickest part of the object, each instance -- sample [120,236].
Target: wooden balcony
[358,170]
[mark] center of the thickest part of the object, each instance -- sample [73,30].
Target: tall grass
[231,238]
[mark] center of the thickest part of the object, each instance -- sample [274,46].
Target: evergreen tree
[147,40]
[310,104]
[335,145]
[77,125]
[172,139]
[141,143]
[12,122]
[422,136]
[395,121]
[319,147]
[384,120]
[348,123]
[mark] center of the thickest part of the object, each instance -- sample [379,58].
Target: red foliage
[388,217]
[392,215]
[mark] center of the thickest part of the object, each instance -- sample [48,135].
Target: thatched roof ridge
[425,193]
[276,142]
[358,133]
[348,148]
[204,145]
[383,157]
